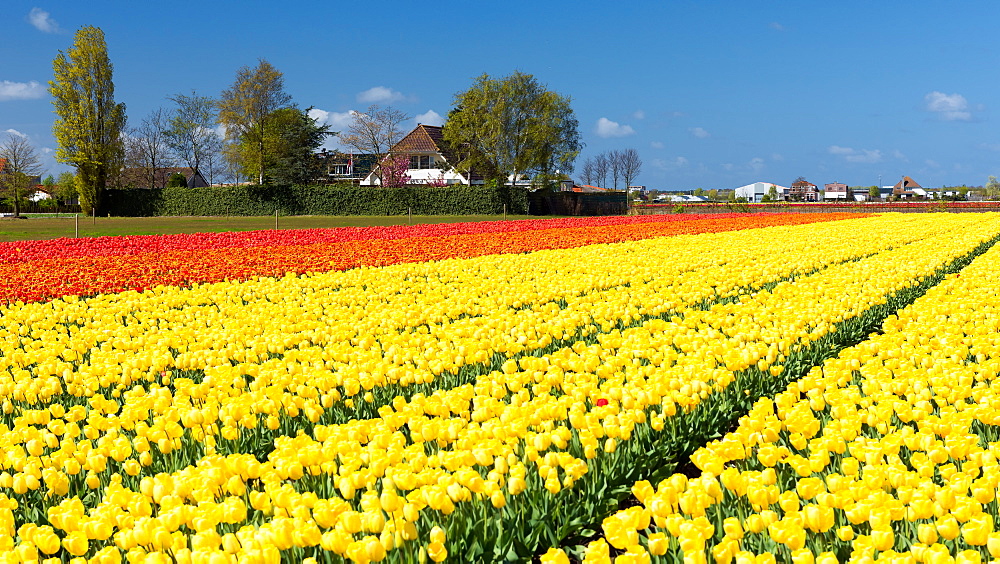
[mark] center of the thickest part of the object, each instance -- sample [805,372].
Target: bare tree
[375,131]
[190,135]
[587,172]
[146,148]
[601,170]
[631,165]
[615,164]
[20,165]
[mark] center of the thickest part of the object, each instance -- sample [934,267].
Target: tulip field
[732,388]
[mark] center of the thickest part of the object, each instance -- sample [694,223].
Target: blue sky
[711,94]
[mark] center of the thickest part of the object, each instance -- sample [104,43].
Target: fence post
[409,216]
[505,212]
[276,218]
[76,221]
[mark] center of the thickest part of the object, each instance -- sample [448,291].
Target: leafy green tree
[874,193]
[992,188]
[290,143]
[248,106]
[772,193]
[66,187]
[177,180]
[21,167]
[49,183]
[513,126]
[89,125]
[713,194]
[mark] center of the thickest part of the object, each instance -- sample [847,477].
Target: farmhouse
[802,191]
[431,159]
[908,188]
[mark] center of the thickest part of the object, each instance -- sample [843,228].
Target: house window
[421,161]
[338,170]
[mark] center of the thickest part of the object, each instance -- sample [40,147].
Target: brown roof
[906,183]
[802,184]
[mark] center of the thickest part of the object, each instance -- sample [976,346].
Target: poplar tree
[89,125]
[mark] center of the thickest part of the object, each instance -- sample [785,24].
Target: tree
[19,167]
[588,173]
[873,193]
[394,169]
[49,182]
[631,165]
[992,188]
[190,134]
[290,143]
[375,131]
[772,193]
[247,107]
[615,165]
[146,150]
[512,126]
[177,180]
[66,187]
[89,125]
[601,166]
[713,194]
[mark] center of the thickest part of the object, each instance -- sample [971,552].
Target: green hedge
[315,200]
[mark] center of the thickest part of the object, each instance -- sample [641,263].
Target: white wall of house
[424,175]
[831,195]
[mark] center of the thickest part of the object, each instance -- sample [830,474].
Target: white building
[755,192]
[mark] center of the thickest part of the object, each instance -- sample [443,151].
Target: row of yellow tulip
[363,488]
[257,354]
[887,453]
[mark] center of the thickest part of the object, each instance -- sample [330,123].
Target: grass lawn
[48,227]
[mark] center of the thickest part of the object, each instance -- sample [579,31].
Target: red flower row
[130,266]
[21,251]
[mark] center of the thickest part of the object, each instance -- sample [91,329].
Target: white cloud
[865,156]
[756,164]
[20,90]
[670,164]
[949,107]
[897,154]
[657,145]
[380,95]
[337,120]
[699,132]
[776,26]
[430,117]
[607,128]
[42,21]
[932,163]
[777,157]
[16,132]
[639,114]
